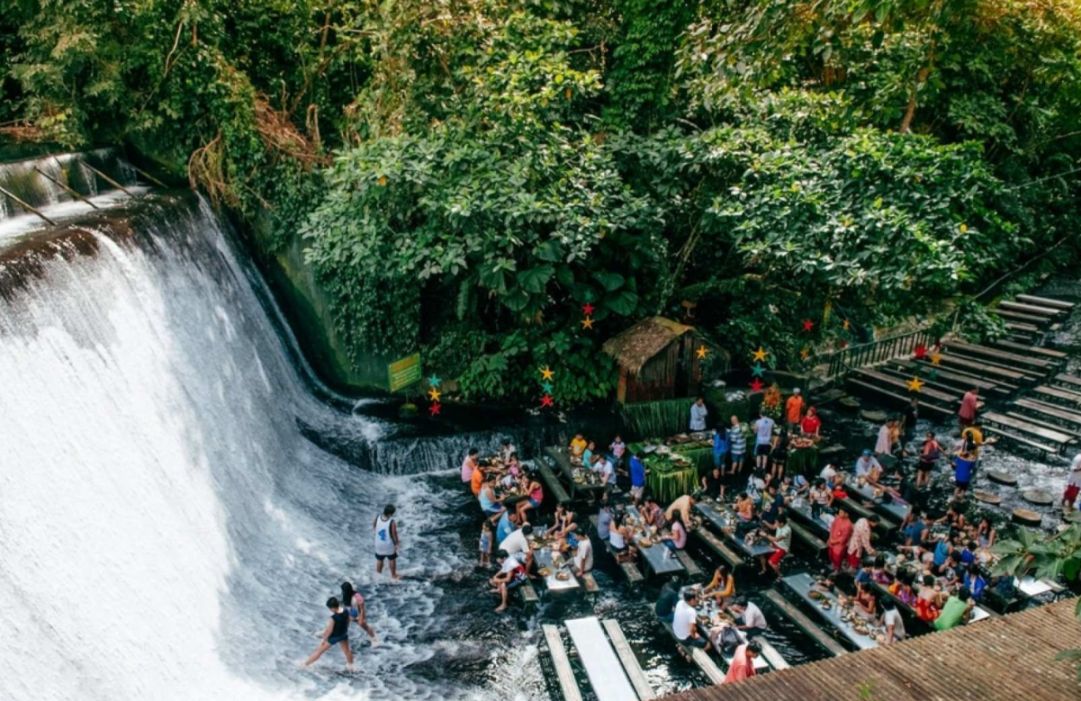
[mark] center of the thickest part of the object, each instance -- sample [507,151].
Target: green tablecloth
[803,461]
[666,479]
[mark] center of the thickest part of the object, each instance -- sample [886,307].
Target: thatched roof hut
[657,360]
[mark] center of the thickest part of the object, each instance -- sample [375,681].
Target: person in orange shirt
[476,482]
[743,662]
[793,410]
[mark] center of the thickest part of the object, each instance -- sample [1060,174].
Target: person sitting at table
[723,585]
[795,486]
[749,618]
[811,425]
[589,454]
[782,544]
[837,486]
[713,483]
[821,498]
[507,524]
[865,602]
[507,451]
[683,506]
[606,471]
[840,534]
[652,514]
[583,556]
[667,600]
[744,514]
[985,533]
[957,610]
[954,517]
[534,496]
[517,543]
[879,573]
[685,621]
[866,465]
[974,581]
[902,588]
[772,505]
[621,539]
[927,600]
[577,446]
[479,477]
[677,538]
[604,520]
[489,504]
[918,532]
[742,665]
[511,574]
[562,522]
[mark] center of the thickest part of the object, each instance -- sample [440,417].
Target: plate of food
[544,571]
[646,542]
[563,576]
[816,595]
[826,605]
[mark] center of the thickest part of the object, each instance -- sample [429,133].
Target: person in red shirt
[793,409]
[811,424]
[743,662]
[840,534]
[969,404]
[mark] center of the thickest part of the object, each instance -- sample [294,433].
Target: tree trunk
[910,110]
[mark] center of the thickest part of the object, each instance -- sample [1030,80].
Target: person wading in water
[336,633]
[386,541]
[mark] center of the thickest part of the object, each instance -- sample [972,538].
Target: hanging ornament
[587,323]
[756,385]
[805,353]
[435,408]
[936,358]
[434,394]
[758,370]
[760,354]
[808,324]
[434,381]
[587,309]
[920,352]
[546,373]
[702,352]
[915,384]
[546,401]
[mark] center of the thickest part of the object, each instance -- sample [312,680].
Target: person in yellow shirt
[578,445]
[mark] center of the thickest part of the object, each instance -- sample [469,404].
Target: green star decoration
[547,387]
[933,374]
[757,370]
[434,381]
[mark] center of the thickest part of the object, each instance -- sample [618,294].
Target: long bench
[1035,350]
[630,662]
[813,542]
[1068,381]
[1044,422]
[1029,373]
[1053,410]
[1033,309]
[980,369]
[900,384]
[603,667]
[1049,302]
[808,626]
[937,384]
[552,485]
[630,570]
[1022,317]
[897,398]
[562,663]
[959,380]
[1058,393]
[1019,424]
[1023,440]
[1001,355]
[719,549]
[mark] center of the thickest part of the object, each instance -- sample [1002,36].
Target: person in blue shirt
[720,448]
[975,582]
[506,526]
[942,551]
[638,477]
[968,555]
[916,532]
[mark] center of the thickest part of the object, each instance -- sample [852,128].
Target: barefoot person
[336,633]
[354,604]
[386,541]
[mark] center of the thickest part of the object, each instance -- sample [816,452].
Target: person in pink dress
[840,534]
[860,542]
[969,404]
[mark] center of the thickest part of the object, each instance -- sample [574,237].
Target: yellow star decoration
[587,323]
[546,373]
[915,384]
[760,354]
[702,352]
[434,394]
[805,353]
[846,324]
[936,358]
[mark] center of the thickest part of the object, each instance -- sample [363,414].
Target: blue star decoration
[547,387]
[434,381]
[757,370]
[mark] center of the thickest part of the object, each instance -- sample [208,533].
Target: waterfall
[166,528]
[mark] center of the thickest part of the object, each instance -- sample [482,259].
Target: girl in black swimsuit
[336,633]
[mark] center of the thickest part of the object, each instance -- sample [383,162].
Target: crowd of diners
[932,566]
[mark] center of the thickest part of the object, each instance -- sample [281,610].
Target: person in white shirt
[891,619]
[763,440]
[517,543]
[685,619]
[750,616]
[583,557]
[699,412]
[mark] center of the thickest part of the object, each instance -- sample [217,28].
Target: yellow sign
[404,372]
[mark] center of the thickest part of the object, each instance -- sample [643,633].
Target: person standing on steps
[336,633]
[970,404]
[354,604]
[386,541]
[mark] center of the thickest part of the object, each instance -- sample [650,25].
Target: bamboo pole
[107,179]
[71,191]
[26,205]
[148,176]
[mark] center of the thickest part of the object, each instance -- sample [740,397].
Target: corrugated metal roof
[1007,658]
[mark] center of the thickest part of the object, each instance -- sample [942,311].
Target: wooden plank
[980,369]
[1022,440]
[960,380]
[949,388]
[552,485]
[1068,381]
[884,523]
[606,675]
[1030,309]
[1027,329]
[720,549]
[775,659]
[562,663]
[808,626]
[986,362]
[1016,424]
[528,593]
[1035,350]
[1059,393]
[1045,302]
[703,661]
[902,385]
[590,583]
[975,349]
[1033,319]
[1054,410]
[924,405]
[630,662]
[812,541]
[1045,423]
[688,563]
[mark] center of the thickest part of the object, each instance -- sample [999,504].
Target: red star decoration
[756,385]
[921,351]
[587,309]
[546,401]
[808,324]
[435,408]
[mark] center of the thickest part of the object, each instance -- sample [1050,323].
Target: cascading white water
[165,530]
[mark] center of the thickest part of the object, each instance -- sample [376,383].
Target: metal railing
[864,355]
